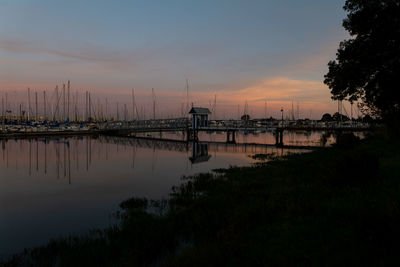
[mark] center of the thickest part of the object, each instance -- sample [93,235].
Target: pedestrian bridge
[230,127]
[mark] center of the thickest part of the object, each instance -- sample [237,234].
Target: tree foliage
[339,117]
[245,117]
[367,65]
[326,117]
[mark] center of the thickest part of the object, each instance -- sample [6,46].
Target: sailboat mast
[154,103]
[215,107]
[29,103]
[133,105]
[106,109]
[90,107]
[36,107]
[125,112]
[86,106]
[44,105]
[69,86]
[117,111]
[6,104]
[63,92]
[56,107]
[187,96]
[292,112]
[76,106]
[2,113]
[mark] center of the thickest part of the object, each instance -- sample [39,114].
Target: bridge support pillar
[278,137]
[231,137]
[192,135]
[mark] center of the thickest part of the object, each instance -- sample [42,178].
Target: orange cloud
[278,92]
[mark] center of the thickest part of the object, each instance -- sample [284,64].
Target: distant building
[199,117]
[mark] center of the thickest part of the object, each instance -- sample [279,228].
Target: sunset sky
[255,51]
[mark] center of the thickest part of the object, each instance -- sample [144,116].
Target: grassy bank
[336,206]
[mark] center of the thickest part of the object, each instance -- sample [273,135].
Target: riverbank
[335,206]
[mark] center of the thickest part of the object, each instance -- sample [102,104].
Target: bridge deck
[235,129]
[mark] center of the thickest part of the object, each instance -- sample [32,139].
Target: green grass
[336,206]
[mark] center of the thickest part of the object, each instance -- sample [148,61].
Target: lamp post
[282,113]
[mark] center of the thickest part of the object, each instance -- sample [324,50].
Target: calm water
[55,187]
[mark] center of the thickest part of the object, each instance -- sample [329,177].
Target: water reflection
[57,156]
[199,153]
[294,138]
[55,187]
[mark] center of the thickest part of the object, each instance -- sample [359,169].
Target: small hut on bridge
[199,117]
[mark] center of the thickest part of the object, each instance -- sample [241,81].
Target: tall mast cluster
[63,105]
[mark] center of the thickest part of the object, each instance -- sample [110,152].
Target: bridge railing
[183,123]
[143,124]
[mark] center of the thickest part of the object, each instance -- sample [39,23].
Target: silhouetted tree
[367,118]
[245,117]
[367,66]
[326,117]
[340,117]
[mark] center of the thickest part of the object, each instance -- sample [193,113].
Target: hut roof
[199,110]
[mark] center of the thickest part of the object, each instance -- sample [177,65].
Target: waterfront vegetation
[334,206]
